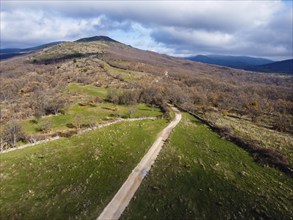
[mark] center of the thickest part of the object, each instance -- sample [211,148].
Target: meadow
[198,175]
[73,178]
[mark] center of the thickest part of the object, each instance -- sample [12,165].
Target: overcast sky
[261,28]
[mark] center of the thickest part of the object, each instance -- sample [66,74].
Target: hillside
[98,105]
[246,63]
[230,61]
[285,66]
[13,52]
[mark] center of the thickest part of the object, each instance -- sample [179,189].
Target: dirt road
[122,198]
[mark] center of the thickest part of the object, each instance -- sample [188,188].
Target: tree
[253,110]
[152,95]
[38,103]
[113,96]
[132,110]
[282,122]
[128,97]
[54,105]
[12,132]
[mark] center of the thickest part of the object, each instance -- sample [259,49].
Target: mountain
[70,89]
[7,53]
[285,66]
[96,38]
[246,63]
[238,62]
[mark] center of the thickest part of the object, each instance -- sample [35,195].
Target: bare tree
[282,123]
[54,105]
[129,97]
[132,110]
[12,132]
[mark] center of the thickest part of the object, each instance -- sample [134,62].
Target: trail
[122,198]
[79,132]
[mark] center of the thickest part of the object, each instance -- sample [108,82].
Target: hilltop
[96,38]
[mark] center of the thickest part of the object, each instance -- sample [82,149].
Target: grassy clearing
[198,175]
[88,114]
[73,178]
[89,90]
[127,75]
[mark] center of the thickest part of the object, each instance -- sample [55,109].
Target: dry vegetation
[34,85]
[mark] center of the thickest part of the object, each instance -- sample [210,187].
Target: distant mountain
[238,62]
[285,66]
[246,63]
[12,52]
[96,38]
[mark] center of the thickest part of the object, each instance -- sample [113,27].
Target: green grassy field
[198,175]
[89,114]
[267,138]
[87,90]
[73,178]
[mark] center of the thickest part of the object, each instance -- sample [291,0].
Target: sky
[259,28]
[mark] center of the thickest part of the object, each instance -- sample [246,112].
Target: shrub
[44,126]
[113,96]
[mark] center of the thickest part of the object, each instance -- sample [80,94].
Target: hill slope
[13,52]
[71,86]
[285,66]
[230,61]
[247,63]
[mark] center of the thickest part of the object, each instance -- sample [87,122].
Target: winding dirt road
[122,198]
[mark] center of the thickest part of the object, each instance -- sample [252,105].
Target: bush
[54,105]
[113,96]
[152,96]
[44,126]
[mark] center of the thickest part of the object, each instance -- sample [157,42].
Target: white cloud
[175,26]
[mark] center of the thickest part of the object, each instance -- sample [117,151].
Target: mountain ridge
[7,53]
[245,62]
[239,62]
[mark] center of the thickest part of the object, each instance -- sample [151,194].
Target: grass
[73,178]
[95,112]
[198,175]
[89,90]
[89,114]
[267,138]
[127,75]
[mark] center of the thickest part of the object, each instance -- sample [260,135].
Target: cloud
[175,27]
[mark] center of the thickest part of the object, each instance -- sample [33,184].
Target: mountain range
[238,62]
[246,63]
[13,52]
